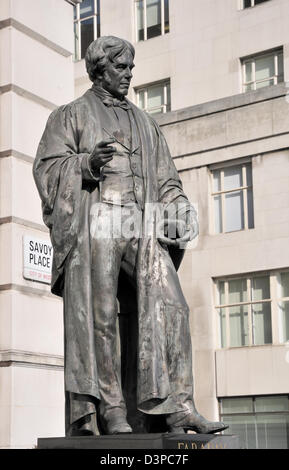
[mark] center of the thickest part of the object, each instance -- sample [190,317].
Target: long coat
[72,132]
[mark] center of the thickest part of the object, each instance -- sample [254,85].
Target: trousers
[114,249]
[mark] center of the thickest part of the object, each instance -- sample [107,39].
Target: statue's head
[109,62]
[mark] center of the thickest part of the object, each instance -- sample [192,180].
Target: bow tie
[110,101]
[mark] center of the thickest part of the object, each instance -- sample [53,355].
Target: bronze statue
[99,158]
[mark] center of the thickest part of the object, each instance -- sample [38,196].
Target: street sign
[37,257]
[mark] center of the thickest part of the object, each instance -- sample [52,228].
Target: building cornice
[34,35]
[73,2]
[14,357]
[27,223]
[15,154]
[28,290]
[27,94]
[223,104]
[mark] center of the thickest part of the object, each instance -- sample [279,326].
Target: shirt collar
[108,99]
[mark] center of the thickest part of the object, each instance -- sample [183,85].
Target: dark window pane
[284,320]
[86,8]
[153,18]
[153,31]
[98,18]
[233,177]
[140,20]
[167,16]
[218,214]
[239,330]
[244,427]
[87,35]
[261,431]
[168,97]
[270,403]
[234,211]
[237,405]
[272,431]
[259,1]
[237,290]
[262,331]
[285,284]
[247,3]
[280,68]
[222,319]
[76,41]
[250,208]
[260,288]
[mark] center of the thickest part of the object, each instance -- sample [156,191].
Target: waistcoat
[122,177]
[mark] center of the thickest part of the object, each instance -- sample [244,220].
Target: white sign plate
[37,259]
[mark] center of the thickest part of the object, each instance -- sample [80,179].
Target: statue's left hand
[187,229]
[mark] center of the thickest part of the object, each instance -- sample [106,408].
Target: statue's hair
[102,50]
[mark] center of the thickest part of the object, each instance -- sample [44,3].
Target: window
[283,305]
[152,18]
[244,309]
[233,198]
[155,98]
[86,26]
[252,3]
[260,422]
[263,70]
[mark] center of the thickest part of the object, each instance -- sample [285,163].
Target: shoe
[121,427]
[115,423]
[83,427]
[195,422]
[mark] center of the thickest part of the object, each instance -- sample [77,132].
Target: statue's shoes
[85,429]
[115,423]
[196,422]
[118,427]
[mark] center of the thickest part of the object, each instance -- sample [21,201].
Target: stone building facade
[217,71]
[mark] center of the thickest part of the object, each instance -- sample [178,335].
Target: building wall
[249,125]
[201,53]
[36,75]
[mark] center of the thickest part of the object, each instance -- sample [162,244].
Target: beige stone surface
[28,208]
[19,311]
[41,71]
[258,370]
[40,403]
[17,131]
[40,18]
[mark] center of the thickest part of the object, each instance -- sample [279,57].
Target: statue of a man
[100,156]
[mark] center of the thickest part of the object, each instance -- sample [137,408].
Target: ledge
[27,223]
[223,104]
[14,357]
[34,35]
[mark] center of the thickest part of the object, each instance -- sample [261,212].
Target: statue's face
[117,75]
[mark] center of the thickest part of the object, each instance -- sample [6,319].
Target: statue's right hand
[102,154]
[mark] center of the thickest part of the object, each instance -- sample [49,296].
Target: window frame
[77,24]
[252,59]
[253,398]
[279,300]
[253,4]
[163,32]
[244,188]
[274,299]
[166,83]
[254,413]
[250,303]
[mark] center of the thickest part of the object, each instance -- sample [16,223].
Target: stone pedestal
[143,441]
